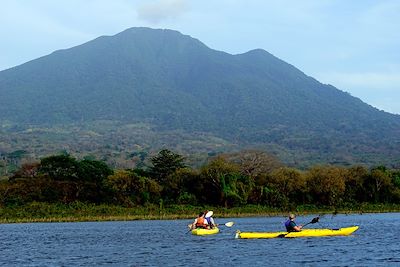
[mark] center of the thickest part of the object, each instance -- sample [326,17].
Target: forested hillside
[173,85]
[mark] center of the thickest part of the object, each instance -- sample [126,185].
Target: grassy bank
[79,212]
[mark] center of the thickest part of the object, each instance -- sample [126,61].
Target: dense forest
[227,180]
[145,89]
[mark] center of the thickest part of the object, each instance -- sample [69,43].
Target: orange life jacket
[201,222]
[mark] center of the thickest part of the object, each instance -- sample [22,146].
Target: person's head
[292,216]
[201,214]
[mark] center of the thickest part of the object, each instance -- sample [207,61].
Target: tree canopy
[222,181]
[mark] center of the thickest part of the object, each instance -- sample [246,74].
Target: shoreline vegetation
[82,212]
[61,188]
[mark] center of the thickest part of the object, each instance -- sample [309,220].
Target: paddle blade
[229,224]
[209,214]
[315,220]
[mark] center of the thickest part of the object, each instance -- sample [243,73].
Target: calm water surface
[167,243]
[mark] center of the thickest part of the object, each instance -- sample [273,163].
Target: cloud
[160,10]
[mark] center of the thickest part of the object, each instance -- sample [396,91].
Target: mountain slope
[175,82]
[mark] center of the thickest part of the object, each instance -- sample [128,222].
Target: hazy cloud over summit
[160,10]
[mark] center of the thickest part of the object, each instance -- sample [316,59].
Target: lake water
[167,243]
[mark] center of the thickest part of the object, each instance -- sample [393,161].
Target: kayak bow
[302,233]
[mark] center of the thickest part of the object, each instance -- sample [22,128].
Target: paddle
[210,213]
[229,224]
[314,220]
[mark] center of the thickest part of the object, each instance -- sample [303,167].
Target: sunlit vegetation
[63,188]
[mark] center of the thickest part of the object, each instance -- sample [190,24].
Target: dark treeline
[229,180]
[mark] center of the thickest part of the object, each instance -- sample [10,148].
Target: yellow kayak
[200,231]
[302,233]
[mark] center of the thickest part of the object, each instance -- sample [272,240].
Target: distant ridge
[174,82]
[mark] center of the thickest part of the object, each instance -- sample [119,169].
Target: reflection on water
[167,243]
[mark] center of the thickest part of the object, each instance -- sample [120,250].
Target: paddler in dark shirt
[291,225]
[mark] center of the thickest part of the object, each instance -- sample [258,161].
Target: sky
[352,45]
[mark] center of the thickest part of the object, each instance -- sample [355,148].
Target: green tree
[130,189]
[164,164]
[221,183]
[396,178]
[395,192]
[93,171]
[256,195]
[354,184]
[75,180]
[326,184]
[177,186]
[378,184]
[290,184]
[60,168]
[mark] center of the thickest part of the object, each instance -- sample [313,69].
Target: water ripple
[167,243]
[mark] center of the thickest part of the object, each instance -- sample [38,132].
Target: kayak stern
[200,231]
